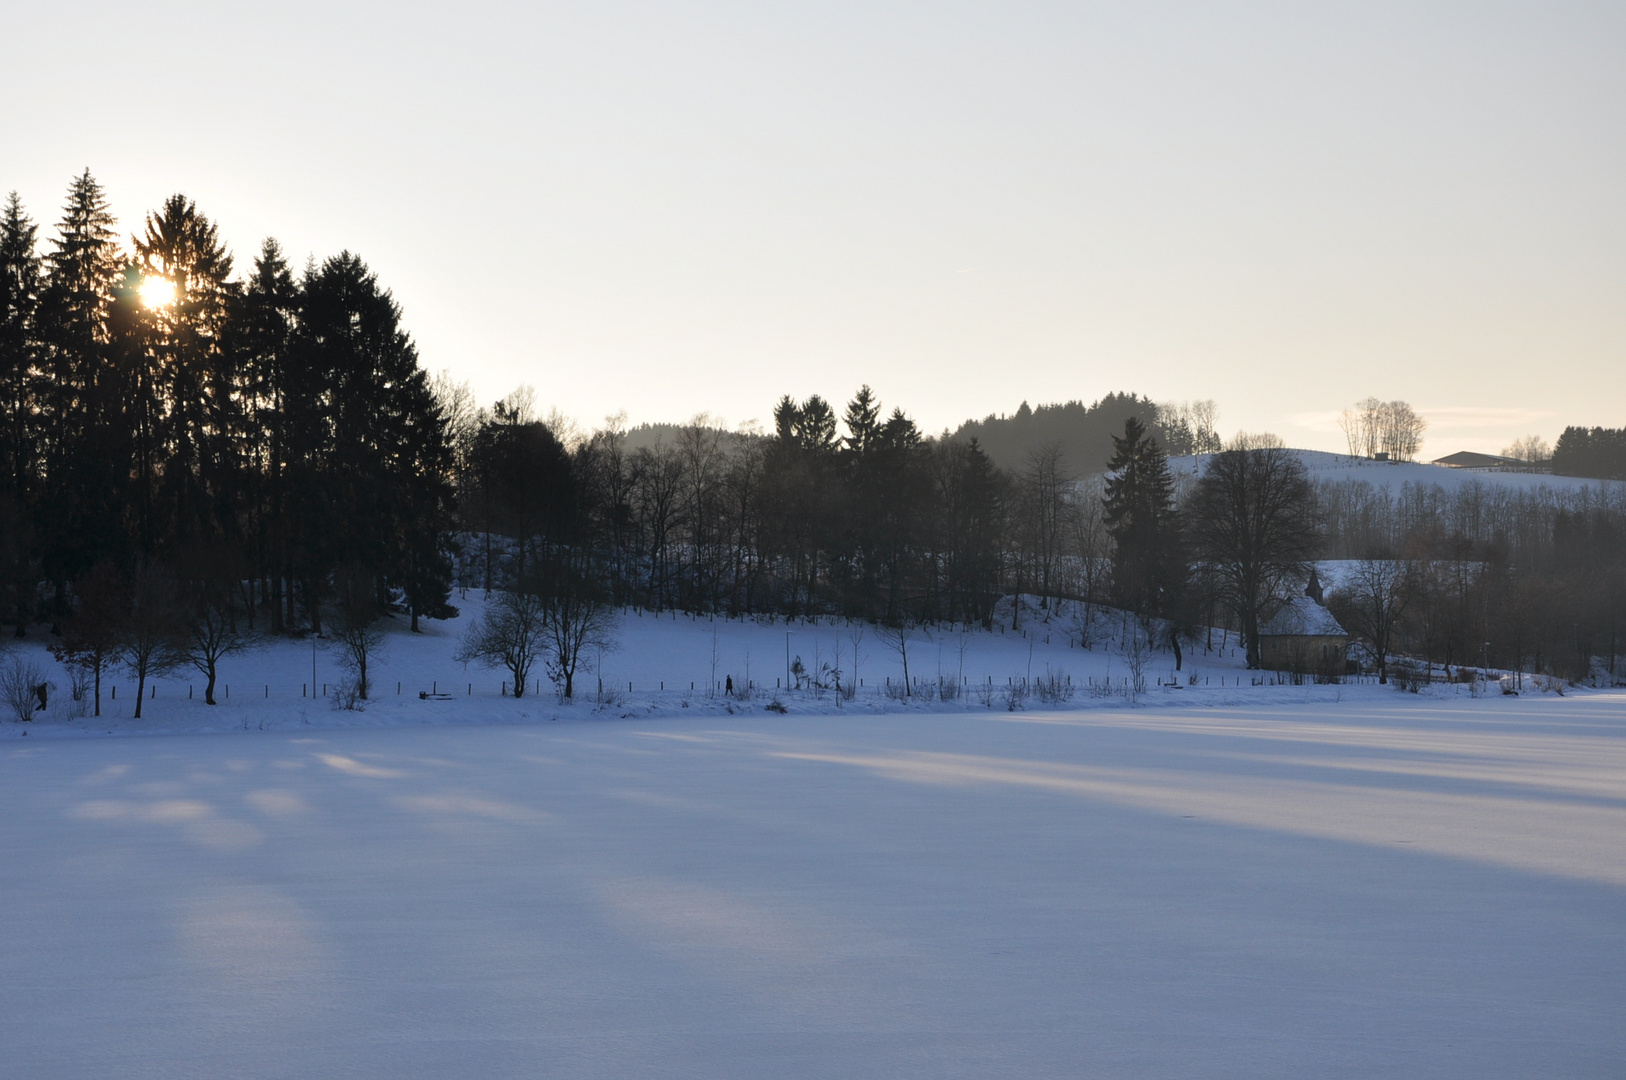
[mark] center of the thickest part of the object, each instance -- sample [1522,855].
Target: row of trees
[268,444]
[271,450]
[1485,572]
[855,512]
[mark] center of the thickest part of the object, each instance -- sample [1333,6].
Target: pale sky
[669,208]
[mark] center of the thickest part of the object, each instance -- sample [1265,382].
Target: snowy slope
[657,660]
[1326,466]
[1383,887]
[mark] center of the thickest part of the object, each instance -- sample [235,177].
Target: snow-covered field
[1315,882]
[656,662]
[1216,880]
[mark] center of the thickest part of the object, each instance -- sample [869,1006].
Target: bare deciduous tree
[898,635]
[1135,648]
[1252,523]
[1371,603]
[357,641]
[91,637]
[1529,448]
[1043,506]
[150,643]
[1391,427]
[1402,430]
[211,629]
[856,630]
[512,635]
[576,621]
[657,488]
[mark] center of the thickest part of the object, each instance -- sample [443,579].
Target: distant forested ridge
[1083,433]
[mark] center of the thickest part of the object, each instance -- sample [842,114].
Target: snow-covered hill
[1395,474]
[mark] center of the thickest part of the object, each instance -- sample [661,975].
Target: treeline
[1482,573]
[1592,452]
[186,451]
[855,512]
[1083,432]
[268,442]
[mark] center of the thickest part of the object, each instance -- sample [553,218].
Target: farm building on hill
[1472,462]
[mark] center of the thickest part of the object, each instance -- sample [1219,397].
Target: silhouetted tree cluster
[1592,452]
[1082,434]
[1387,427]
[184,451]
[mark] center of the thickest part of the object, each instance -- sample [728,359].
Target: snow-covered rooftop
[1302,616]
[1395,474]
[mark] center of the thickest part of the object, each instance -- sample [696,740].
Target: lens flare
[157,292]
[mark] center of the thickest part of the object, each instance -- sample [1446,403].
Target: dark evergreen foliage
[236,442]
[1593,452]
[1083,433]
[1148,565]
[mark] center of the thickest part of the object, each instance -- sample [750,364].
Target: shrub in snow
[347,695]
[1135,649]
[1053,688]
[19,688]
[357,642]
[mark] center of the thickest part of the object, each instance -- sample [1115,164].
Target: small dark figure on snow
[42,691]
[730,688]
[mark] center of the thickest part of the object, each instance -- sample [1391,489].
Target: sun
[157,292]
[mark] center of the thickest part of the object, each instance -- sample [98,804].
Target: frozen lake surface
[1388,886]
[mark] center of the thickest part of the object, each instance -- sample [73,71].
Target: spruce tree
[1139,510]
[262,327]
[20,284]
[200,420]
[79,391]
[379,460]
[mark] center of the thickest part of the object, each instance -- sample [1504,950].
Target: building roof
[1302,617]
[1468,459]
